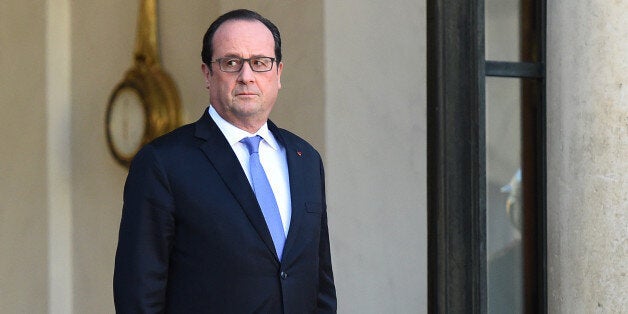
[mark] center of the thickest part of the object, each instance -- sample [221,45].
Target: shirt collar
[235,134]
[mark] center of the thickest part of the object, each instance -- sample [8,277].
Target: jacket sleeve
[146,233]
[327,290]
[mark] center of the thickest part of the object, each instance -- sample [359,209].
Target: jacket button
[283,275]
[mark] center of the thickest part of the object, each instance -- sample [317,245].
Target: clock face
[127,122]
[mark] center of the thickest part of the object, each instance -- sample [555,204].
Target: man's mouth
[246,94]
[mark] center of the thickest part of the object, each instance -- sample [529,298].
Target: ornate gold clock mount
[145,104]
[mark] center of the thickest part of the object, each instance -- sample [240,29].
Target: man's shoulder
[194,132]
[172,143]
[167,148]
[178,136]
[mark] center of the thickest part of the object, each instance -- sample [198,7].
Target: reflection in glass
[502,30]
[503,164]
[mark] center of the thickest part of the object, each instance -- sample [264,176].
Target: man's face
[244,98]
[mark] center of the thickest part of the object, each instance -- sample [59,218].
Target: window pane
[502,30]
[503,164]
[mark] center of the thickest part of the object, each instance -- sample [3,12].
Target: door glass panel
[504,217]
[502,30]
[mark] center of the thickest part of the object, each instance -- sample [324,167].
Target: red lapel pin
[299,153]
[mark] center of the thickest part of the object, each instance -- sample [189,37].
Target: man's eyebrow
[233,55]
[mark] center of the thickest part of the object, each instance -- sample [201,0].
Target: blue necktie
[264,194]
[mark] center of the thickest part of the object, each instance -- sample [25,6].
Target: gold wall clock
[145,104]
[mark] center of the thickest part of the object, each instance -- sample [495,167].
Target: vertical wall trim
[456,157]
[58,153]
[533,158]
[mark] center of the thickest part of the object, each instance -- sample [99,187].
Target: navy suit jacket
[193,238]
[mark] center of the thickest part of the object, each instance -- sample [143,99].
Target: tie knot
[251,143]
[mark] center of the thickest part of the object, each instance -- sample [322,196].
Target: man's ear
[279,69]
[207,73]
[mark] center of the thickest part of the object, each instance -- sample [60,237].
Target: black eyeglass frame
[242,60]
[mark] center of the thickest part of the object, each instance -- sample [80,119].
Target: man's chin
[246,109]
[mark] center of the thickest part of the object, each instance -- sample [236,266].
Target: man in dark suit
[199,232]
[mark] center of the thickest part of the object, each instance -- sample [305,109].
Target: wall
[103,35]
[376,154]
[587,149]
[23,170]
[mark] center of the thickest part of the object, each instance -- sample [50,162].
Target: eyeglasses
[234,64]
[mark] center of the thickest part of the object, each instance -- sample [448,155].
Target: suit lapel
[297,188]
[224,160]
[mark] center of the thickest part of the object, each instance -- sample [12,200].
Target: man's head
[242,92]
[244,15]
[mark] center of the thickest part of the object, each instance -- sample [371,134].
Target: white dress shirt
[272,157]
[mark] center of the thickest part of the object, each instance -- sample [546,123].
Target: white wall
[23,171]
[376,154]
[587,148]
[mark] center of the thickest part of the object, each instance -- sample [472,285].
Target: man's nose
[246,74]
